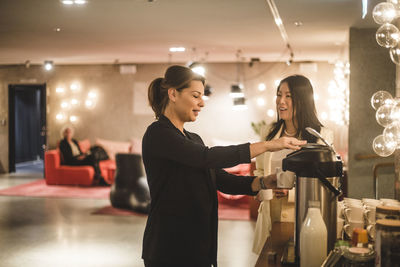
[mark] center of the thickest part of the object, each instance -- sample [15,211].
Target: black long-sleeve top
[184,176]
[66,150]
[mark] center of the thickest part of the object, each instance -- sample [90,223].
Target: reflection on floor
[29,167]
[63,232]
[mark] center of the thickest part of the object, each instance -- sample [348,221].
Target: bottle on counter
[313,237]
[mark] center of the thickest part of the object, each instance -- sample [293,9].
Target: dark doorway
[27,126]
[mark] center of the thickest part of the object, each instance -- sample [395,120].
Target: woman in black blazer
[184,175]
[72,155]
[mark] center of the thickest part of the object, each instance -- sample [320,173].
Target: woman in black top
[184,175]
[72,155]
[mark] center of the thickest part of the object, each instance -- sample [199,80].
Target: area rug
[39,188]
[225,212]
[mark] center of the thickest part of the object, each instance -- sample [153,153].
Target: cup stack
[362,213]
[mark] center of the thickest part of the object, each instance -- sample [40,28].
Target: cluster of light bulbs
[387,115]
[388,35]
[338,90]
[68,106]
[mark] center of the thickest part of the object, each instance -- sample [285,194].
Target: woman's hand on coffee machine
[285,142]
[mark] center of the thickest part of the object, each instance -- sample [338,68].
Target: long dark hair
[177,77]
[304,111]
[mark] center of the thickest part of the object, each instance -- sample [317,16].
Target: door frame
[11,119]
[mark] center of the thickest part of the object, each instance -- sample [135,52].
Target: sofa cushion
[113,147]
[84,145]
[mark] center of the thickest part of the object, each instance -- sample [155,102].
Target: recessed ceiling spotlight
[57,29]
[80,2]
[67,2]
[298,23]
[177,49]
[48,65]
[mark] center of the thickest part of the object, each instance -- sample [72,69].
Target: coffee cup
[354,213]
[371,231]
[284,179]
[339,227]
[370,215]
[351,225]
[371,202]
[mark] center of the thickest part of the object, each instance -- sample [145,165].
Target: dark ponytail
[177,77]
[158,97]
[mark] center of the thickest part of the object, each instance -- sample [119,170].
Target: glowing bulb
[74,101]
[199,70]
[67,2]
[73,118]
[270,113]
[80,2]
[384,13]
[380,98]
[92,95]
[75,87]
[48,65]
[383,148]
[277,82]
[64,105]
[261,87]
[387,35]
[177,49]
[260,101]
[60,90]
[89,103]
[60,116]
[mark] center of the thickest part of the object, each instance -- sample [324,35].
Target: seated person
[72,155]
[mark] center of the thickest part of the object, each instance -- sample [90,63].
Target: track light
[48,65]
[239,103]
[236,91]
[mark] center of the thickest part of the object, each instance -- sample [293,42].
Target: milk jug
[313,237]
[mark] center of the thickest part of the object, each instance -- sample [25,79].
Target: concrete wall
[116,117]
[371,70]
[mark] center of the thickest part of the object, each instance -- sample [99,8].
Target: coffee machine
[318,173]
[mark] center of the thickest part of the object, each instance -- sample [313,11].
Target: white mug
[351,225]
[340,209]
[354,213]
[371,231]
[284,179]
[370,215]
[371,202]
[339,227]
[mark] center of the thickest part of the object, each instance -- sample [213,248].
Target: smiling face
[189,102]
[284,102]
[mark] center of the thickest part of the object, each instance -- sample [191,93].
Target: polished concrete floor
[64,232]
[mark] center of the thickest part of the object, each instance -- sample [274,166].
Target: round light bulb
[380,98]
[383,148]
[387,35]
[384,12]
[383,115]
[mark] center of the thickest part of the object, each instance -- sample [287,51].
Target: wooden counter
[280,234]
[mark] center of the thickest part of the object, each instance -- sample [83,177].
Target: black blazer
[184,176]
[66,151]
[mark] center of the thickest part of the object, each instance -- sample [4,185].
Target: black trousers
[157,264]
[88,160]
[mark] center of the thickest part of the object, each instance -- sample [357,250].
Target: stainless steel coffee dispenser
[318,171]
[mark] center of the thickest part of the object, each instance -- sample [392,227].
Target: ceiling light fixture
[48,65]
[281,27]
[80,2]
[239,103]
[197,68]
[236,91]
[67,2]
[364,8]
[177,49]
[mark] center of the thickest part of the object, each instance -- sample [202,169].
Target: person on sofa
[184,175]
[72,155]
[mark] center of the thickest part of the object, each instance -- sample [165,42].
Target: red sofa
[57,174]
